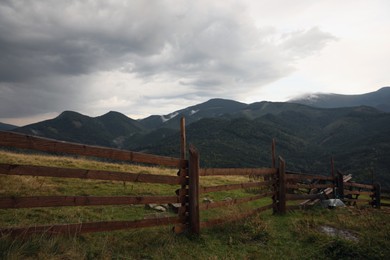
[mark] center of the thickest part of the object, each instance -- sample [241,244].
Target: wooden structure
[15,140]
[276,183]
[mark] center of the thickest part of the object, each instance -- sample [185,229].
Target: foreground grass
[264,236]
[297,235]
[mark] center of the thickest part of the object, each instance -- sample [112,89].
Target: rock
[227,199]
[160,208]
[174,207]
[150,206]
[207,200]
[345,234]
[165,206]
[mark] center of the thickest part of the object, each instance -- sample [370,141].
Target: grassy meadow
[297,235]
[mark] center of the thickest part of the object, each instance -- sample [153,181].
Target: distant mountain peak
[113,114]
[379,99]
[70,114]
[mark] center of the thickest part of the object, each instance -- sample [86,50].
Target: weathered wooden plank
[385,204]
[73,229]
[236,171]
[358,200]
[302,196]
[60,201]
[358,185]
[14,169]
[308,186]
[17,140]
[302,176]
[347,178]
[214,222]
[355,192]
[385,191]
[218,204]
[237,186]
[385,197]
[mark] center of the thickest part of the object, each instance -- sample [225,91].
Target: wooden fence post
[340,186]
[282,186]
[333,176]
[193,182]
[183,173]
[377,196]
[273,156]
[275,189]
[183,140]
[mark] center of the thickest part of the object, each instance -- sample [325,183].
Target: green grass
[297,235]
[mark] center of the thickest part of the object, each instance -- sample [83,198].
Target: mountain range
[234,134]
[378,99]
[6,127]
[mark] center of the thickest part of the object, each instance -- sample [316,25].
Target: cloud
[303,43]
[53,53]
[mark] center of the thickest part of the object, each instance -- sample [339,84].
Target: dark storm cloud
[51,50]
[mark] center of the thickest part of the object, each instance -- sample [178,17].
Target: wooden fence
[384,197]
[9,139]
[288,190]
[309,190]
[267,191]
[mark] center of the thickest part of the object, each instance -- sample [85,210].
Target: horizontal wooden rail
[355,192]
[60,201]
[300,176]
[358,200]
[302,196]
[235,186]
[385,191]
[73,229]
[13,169]
[214,222]
[358,185]
[224,203]
[308,186]
[17,140]
[385,204]
[237,171]
[385,197]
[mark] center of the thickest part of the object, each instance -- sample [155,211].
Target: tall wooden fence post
[282,187]
[183,140]
[333,176]
[193,182]
[275,189]
[340,186]
[273,157]
[377,196]
[183,173]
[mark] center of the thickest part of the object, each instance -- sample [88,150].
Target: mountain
[111,129]
[209,109]
[7,127]
[379,99]
[357,138]
[233,134]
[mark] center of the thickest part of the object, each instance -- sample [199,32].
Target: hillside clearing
[297,235]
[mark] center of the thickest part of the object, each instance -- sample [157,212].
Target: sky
[154,57]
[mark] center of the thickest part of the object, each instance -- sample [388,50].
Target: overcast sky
[154,57]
